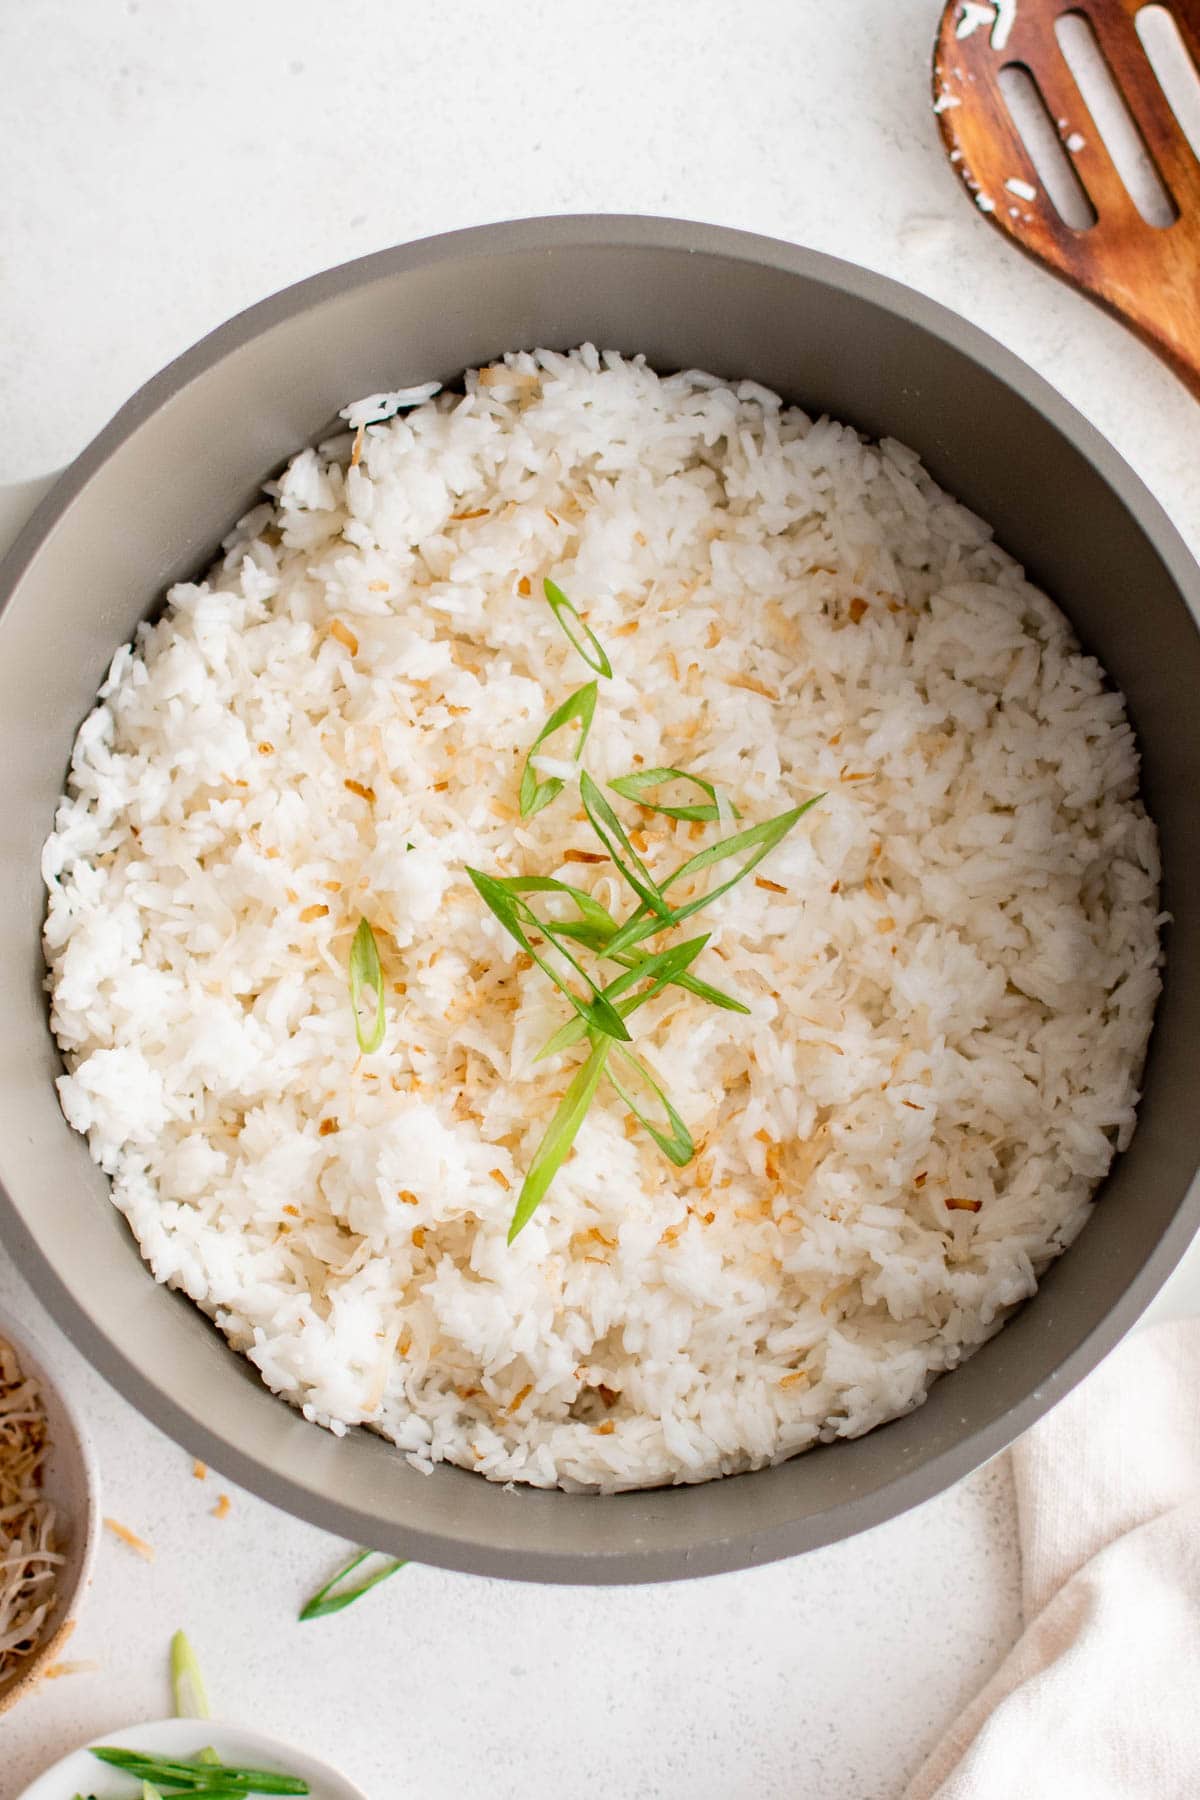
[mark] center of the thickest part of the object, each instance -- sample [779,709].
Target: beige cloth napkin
[1100,1698]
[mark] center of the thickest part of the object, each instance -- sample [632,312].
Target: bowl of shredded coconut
[49,1508]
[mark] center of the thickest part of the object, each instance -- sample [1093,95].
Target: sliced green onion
[512,911]
[592,651]
[611,832]
[590,911]
[208,1755]
[187,1683]
[760,839]
[197,1777]
[659,970]
[326,1601]
[633,787]
[365,972]
[588,932]
[561,1133]
[704,990]
[150,1792]
[763,838]
[677,1143]
[596,937]
[536,794]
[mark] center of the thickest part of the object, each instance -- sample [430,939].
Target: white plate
[80,1773]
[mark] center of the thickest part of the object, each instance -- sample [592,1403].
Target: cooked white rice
[951,975]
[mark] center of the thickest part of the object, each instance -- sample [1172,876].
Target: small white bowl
[81,1773]
[71,1482]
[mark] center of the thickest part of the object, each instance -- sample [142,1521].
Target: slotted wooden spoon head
[1148,275]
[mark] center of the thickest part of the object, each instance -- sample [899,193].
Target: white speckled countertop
[168,163]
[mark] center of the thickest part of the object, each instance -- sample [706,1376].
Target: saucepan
[147,504]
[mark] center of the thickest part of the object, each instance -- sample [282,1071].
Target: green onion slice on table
[335,1595]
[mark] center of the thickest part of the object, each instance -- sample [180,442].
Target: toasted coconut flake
[200,1470]
[753,686]
[223,1507]
[344,635]
[364,793]
[956,1203]
[500,375]
[836,1294]
[311,913]
[130,1539]
[771,887]
[519,1399]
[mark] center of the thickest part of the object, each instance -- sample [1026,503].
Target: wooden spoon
[1147,275]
